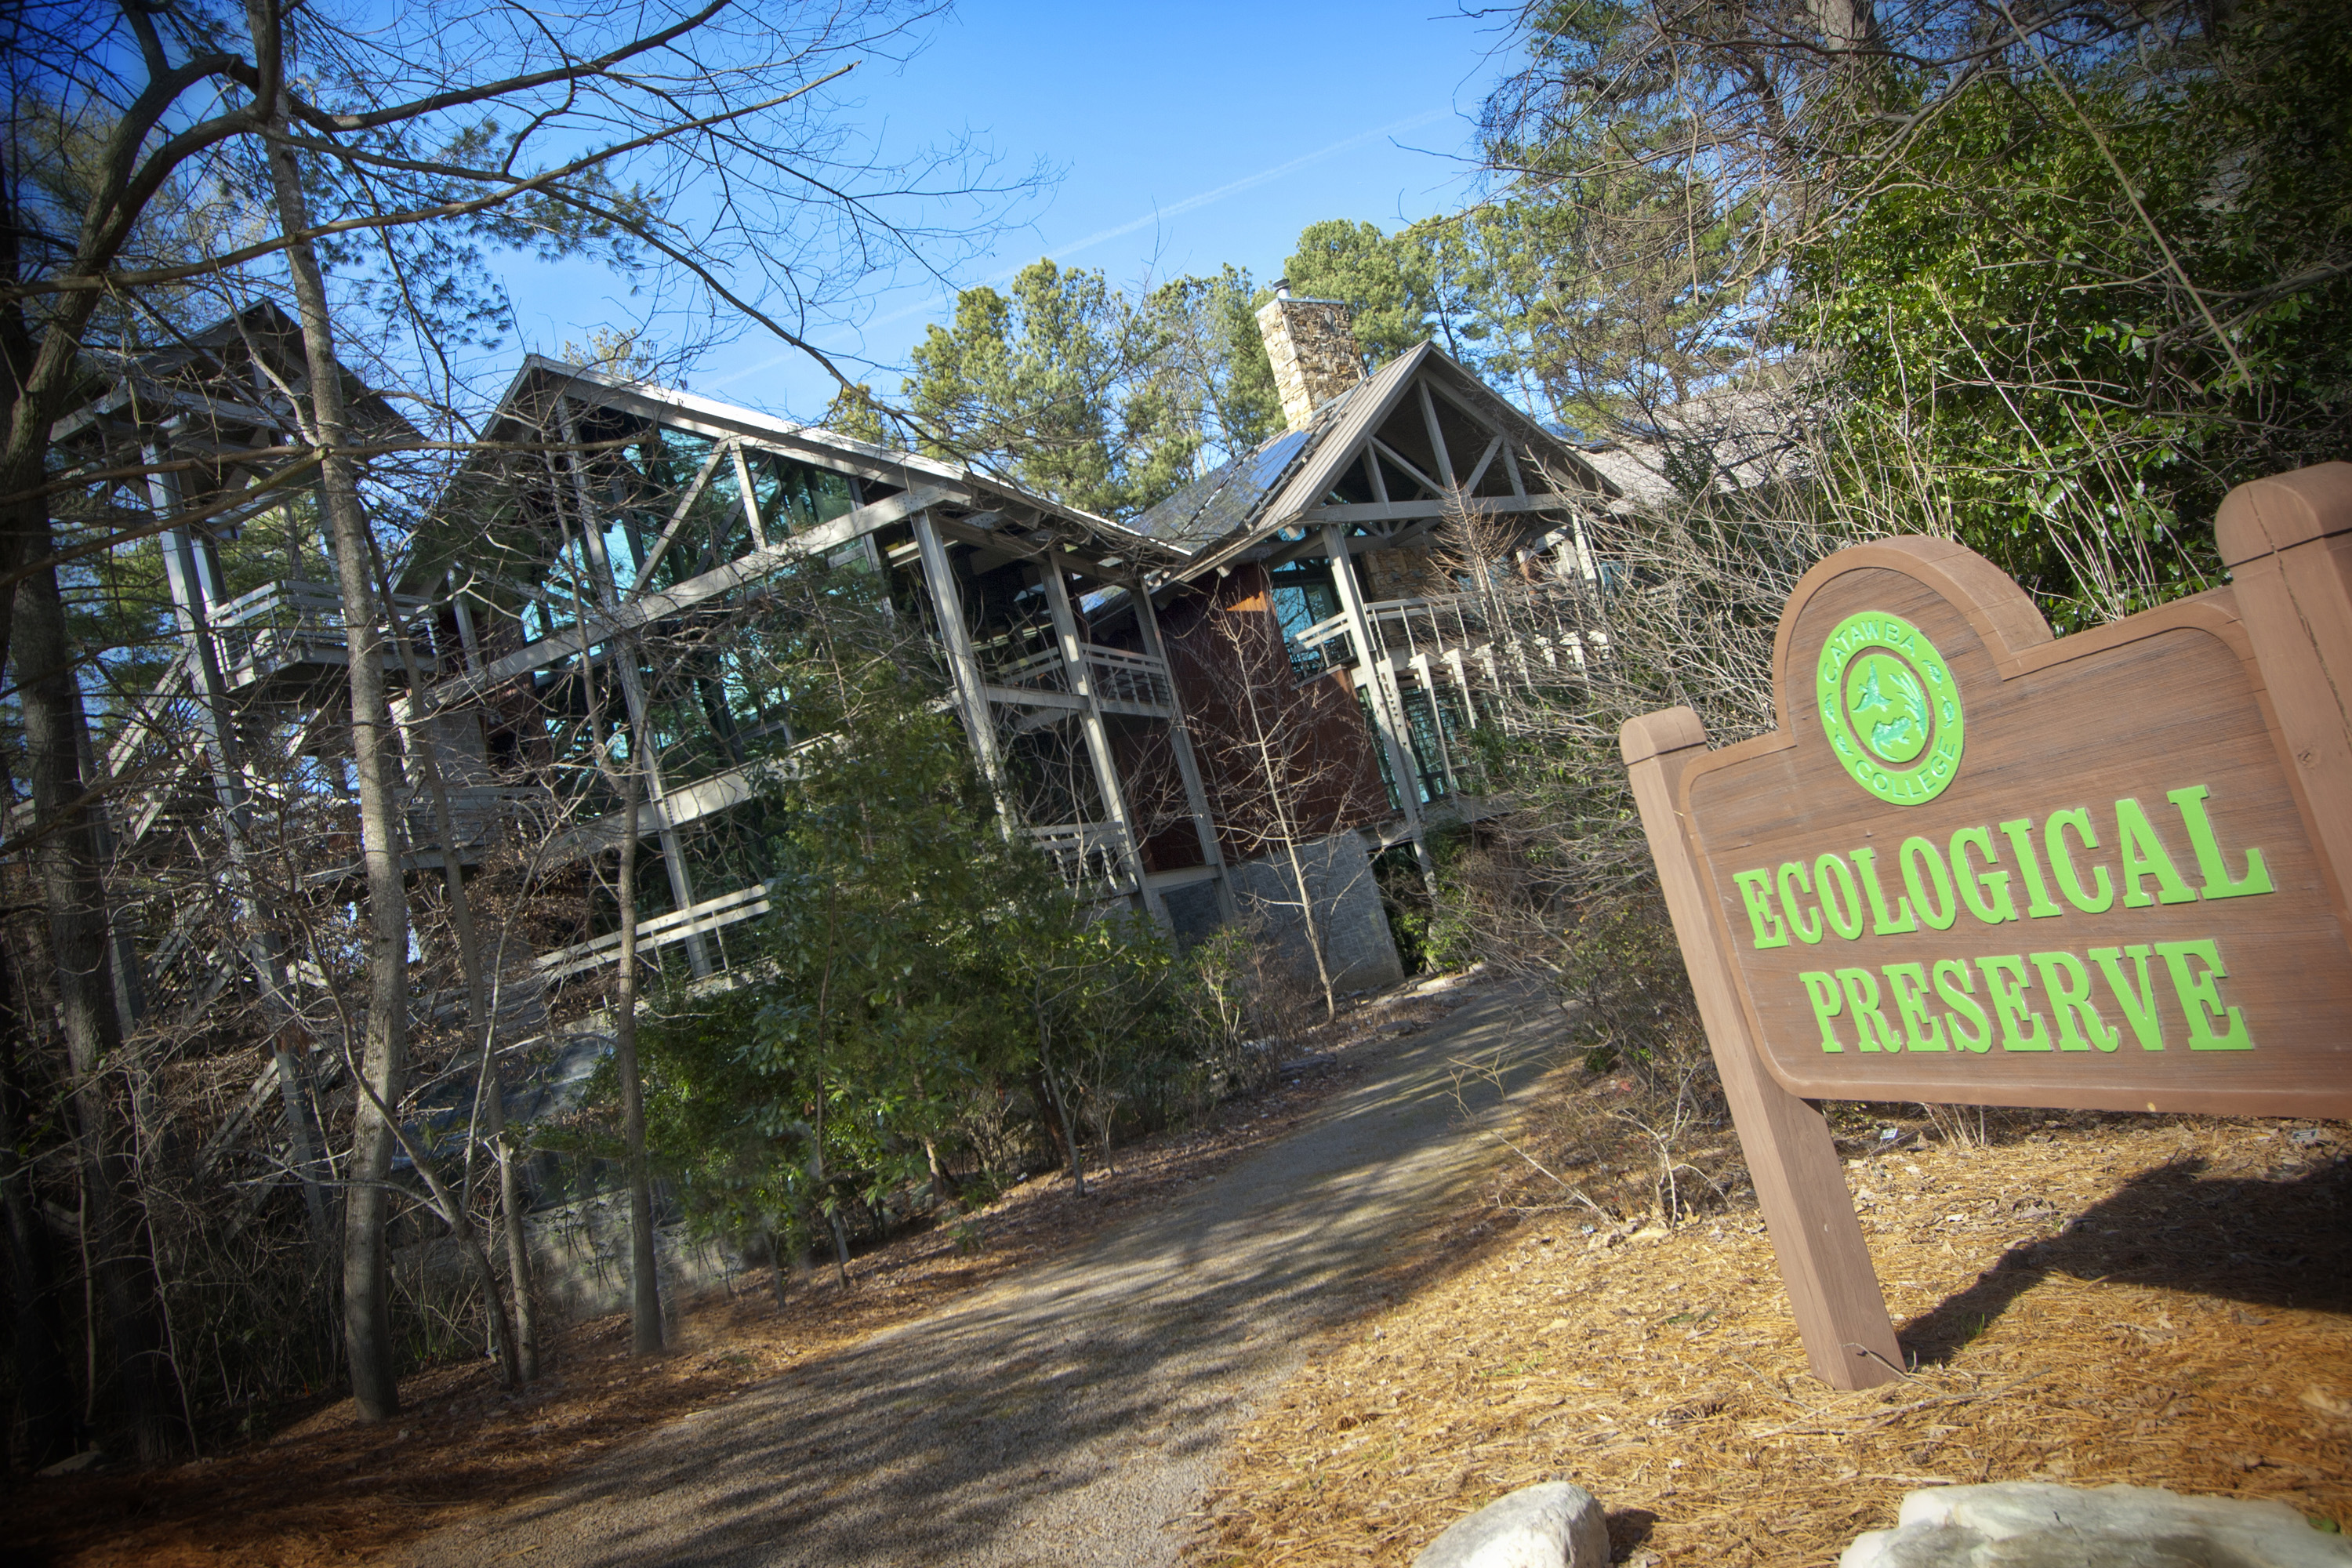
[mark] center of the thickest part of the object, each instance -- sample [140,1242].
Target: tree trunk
[74,898]
[776,1266]
[1264,740]
[1069,1134]
[367,1304]
[518,1337]
[644,1284]
[44,1395]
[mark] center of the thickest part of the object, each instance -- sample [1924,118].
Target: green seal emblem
[1890,708]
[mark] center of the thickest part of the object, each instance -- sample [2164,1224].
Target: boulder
[2034,1524]
[1554,1525]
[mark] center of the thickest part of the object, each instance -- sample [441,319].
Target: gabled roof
[1226,512]
[814,444]
[199,372]
[1233,499]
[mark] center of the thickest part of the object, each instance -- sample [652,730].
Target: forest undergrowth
[325,1487]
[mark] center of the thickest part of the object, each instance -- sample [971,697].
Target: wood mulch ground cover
[2163,1302]
[327,1489]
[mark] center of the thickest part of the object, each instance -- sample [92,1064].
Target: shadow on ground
[1066,1417]
[2265,1243]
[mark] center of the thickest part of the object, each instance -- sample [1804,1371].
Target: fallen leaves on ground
[2090,1300]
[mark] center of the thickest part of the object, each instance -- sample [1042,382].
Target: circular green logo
[1890,708]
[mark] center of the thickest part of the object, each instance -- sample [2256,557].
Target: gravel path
[1070,1416]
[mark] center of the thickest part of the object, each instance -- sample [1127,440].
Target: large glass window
[1303,597]
[793,496]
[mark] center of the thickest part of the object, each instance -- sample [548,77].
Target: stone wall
[1357,940]
[580,1263]
[1313,348]
[1409,572]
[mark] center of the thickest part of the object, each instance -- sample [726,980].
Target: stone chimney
[1313,347]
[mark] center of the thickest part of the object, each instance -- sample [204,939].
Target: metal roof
[1220,516]
[1229,501]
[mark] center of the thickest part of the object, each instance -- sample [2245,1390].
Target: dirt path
[1070,1417]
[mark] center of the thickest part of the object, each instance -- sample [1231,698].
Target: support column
[622,654]
[193,587]
[1387,711]
[1090,719]
[963,664]
[1188,765]
[1792,1159]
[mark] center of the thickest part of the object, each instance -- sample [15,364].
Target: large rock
[1554,1525]
[2034,1524]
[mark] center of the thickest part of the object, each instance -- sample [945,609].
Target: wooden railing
[293,621]
[1087,854]
[1458,630]
[1119,677]
[662,931]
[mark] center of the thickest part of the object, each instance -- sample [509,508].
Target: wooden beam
[1375,443]
[1387,710]
[1485,457]
[1436,435]
[649,607]
[947,612]
[1107,781]
[1415,511]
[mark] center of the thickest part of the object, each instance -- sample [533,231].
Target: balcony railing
[1088,854]
[1119,676]
[1120,679]
[662,931]
[1461,631]
[297,622]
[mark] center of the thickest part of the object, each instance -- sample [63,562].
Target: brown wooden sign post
[1980,865]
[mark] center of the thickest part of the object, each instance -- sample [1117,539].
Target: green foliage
[854,413]
[2037,370]
[918,969]
[1213,365]
[1051,382]
[1389,281]
[873,1009]
[1616,291]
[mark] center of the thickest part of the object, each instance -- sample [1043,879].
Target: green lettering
[1807,934]
[2021,1029]
[2062,861]
[1865,864]
[1756,892]
[1992,909]
[2069,983]
[2145,856]
[2139,1002]
[1828,1002]
[1940,911]
[1907,983]
[2218,885]
[1958,990]
[1861,1005]
[1842,910]
[2039,904]
[2200,998]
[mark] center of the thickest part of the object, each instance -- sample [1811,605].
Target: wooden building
[1289,652]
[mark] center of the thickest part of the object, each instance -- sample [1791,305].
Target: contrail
[1243,184]
[1157,215]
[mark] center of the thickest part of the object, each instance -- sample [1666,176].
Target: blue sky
[1184,137]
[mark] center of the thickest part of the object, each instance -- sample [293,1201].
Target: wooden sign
[1982,866]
